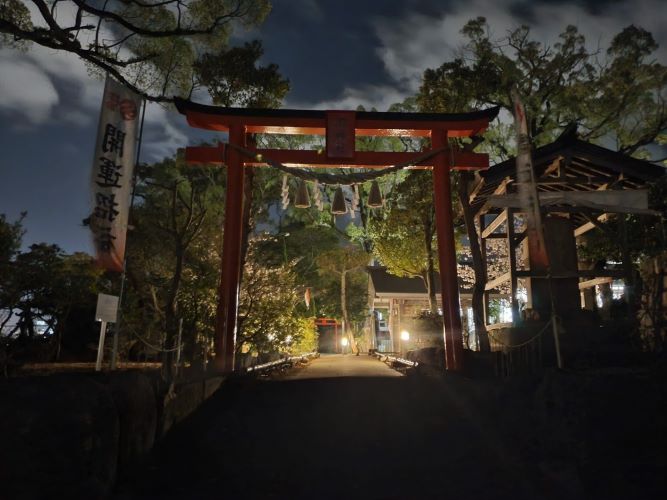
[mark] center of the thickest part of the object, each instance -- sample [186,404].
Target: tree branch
[105,14]
[40,36]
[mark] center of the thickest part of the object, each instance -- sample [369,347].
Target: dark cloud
[526,11]
[333,45]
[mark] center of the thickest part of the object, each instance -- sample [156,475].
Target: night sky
[337,54]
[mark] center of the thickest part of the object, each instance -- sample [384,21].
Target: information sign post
[106,312]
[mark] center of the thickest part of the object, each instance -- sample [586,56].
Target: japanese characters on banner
[113,166]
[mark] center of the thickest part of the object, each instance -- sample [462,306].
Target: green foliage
[307,336]
[173,251]
[10,238]
[645,234]
[268,308]
[42,292]
[233,78]
[345,265]
[401,232]
[618,95]
[15,12]
[155,48]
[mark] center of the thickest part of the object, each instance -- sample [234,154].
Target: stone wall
[72,434]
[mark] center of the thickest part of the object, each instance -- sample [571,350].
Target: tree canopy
[619,95]
[157,48]
[403,234]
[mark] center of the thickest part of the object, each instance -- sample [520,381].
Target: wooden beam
[584,228]
[582,273]
[482,242]
[595,281]
[498,281]
[602,218]
[512,259]
[553,167]
[495,224]
[501,189]
[462,160]
[572,180]
[475,190]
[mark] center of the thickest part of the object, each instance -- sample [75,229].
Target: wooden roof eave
[586,158]
[294,121]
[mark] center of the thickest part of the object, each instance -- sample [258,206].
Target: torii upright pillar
[226,321]
[444,223]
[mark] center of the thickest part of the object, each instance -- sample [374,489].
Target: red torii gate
[340,129]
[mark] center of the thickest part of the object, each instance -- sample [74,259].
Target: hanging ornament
[338,207]
[302,199]
[317,197]
[375,196]
[285,193]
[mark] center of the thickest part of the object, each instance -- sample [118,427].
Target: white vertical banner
[113,166]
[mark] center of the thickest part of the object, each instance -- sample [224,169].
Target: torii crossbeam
[340,129]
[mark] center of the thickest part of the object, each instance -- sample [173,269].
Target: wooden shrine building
[580,185]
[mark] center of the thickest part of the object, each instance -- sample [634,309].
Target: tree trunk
[249,173]
[343,305]
[171,316]
[430,271]
[477,264]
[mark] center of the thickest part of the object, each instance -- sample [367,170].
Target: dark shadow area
[349,437]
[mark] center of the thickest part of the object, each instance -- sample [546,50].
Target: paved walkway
[345,427]
[343,365]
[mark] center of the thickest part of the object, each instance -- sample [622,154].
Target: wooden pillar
[628,288]
[511,248]
[228,295]
[481,221]
[449,285]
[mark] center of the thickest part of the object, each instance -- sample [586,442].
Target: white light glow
[405,335]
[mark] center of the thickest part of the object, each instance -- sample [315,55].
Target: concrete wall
[70,435]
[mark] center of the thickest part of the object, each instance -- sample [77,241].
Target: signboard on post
[106,312]
[113,166]
[107,308]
